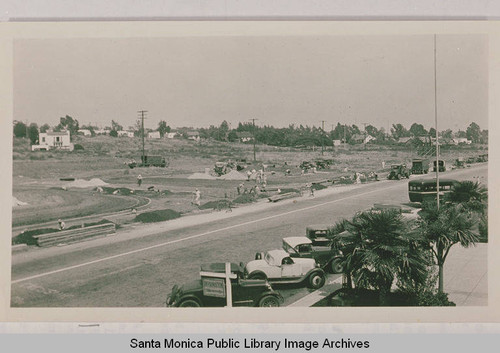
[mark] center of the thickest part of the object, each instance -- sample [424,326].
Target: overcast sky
[378,80]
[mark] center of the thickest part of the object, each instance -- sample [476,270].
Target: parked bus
[423,189]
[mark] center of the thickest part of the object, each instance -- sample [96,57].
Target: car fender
[273,293]
[257,272]
[314,270]
[190,296]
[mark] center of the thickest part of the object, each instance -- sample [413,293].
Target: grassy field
[36,174]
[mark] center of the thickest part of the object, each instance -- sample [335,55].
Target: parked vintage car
[328,258]
[277,266]
[204,292]
[319,234]
[398,171]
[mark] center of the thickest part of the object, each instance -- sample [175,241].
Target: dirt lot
[36,175]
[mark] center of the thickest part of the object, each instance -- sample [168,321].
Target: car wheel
[336,266]
[269,301]
[189,303]
[257,275]
[316,280]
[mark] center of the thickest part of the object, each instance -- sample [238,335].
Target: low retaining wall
[75,235]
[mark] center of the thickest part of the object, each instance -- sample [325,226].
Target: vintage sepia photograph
[301,170]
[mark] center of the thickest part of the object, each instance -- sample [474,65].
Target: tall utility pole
[142,113]
[253,123]
[436,123]
[365,134]
[322,135]
[344,137]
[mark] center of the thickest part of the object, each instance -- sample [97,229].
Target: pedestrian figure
[238,189]
[249,174]
[62,225]
[139,180]
[311,190]
[197,197]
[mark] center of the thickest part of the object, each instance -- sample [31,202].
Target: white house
[337,142]
[245,136]
[123,133]
[154,135]
[170,135]
[461,140]
[193,135]
[53,140]
[101,132]
[84,132]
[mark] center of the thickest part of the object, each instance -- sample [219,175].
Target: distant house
[193,135]
[53,140]
[337,142]
[461,140]
[154,135]
[84,132]
[170,135]
[244,136]
[404,140]
[101,132]
[360,138]
[123,133]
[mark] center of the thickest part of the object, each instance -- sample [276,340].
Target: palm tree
[472,195]
[444,227]
[380,247]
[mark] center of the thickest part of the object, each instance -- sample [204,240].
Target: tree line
[291,136]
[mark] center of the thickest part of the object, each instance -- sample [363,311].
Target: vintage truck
[398,171]
[328,258]
[209,290]
[442,166]
[419,166]
[149,161]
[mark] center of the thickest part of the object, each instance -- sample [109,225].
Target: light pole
[436,123]
[253,123]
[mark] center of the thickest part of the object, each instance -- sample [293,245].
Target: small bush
[244,199]
[216,205]
[318,186]
[78,147]
[157,216]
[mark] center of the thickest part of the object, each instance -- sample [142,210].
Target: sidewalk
[466,275]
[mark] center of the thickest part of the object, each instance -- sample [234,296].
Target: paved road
[138,267]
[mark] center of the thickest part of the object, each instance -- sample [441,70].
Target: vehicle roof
[278,255]
[383,206]
[432,181]
[318,226]
[294,241]
[220,267]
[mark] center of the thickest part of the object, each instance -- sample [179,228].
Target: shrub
[216,205]
[157,216]
[318,186]
[244,199]
[78,147]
